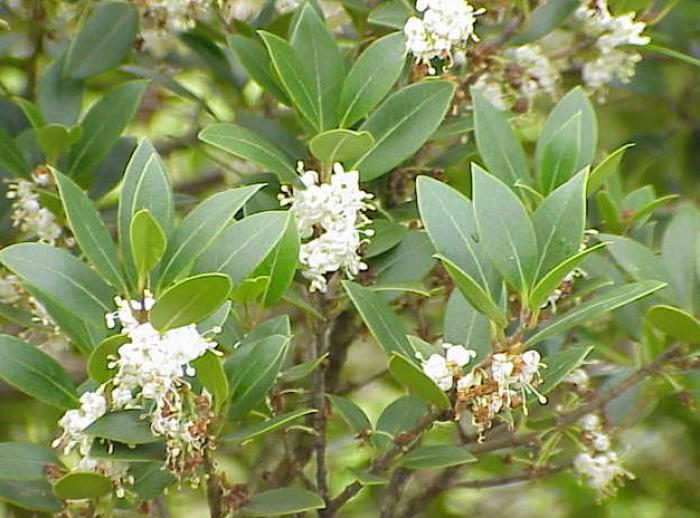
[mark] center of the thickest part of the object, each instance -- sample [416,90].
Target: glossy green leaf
[252,373]
[606,168]
[11,157]
[675,322]
[505,230]
[141,453]
[295,79]
[436,456]
[251,146]
[150,479]
[371,77]
[402,124]
[575,101]
[35,373]
[608,211]
[464,325]
[126,427]
[280,265]
[322,60]
[678,253]
[200,228]
[366,478]
[339,145]
[559,365]
[302,370]
[448,217]
[498,146]
[408,374]
[605,303]
[405,265]
[240,248]
[546,17]
[392,13]
[79,485]
[148,243]
[386,328]
[254,59]
[210,373]
[551,280]
[90,232]
[560,155]
[352,414]
[35,495]
[54,139]
[474,293]
[249,433]
[59,97]
[559,222]
[401,415]
[284,500]
[25,461]
[103,40]
[55,271]
[387,234]
[190,301]
[102,355]
[103,125]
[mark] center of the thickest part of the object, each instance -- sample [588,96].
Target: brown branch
[393,492]
[527,476]
[437,486]
[214,493]
[318,400]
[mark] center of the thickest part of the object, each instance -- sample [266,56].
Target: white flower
[600,441]
[331,216]
[458,356]
[436,369]
[29,215]
[578,377]
[590,423]
[443,370]
[538,73]
[446,26]
[9,291]
[519,372]
[160,18]
[602,471]
[93,405]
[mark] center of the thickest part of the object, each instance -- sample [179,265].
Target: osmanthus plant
[514,301]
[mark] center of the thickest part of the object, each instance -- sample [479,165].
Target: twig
[437,486]
[213,490]
[318,399]
[393,492]
[161,506]
[511,479]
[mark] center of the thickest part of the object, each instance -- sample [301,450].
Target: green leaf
[436,456]
[280,265]
[115,451]
[145,186]
[250,289]
[392,13]
[217,319]
[387,234]
[297,82]
[284,500]
[498,146]
[241,247]
[551,280]
[605,303]
[54,139]
[90,232]
[386,328]
[678,254]
[103,125]
[103,41]
[200,228]
[252,372]
[464,325]
[97,365]
[400,416]
[560,155]
[448,216]
[606,168]
[35,373]
[251,146]
[545,18]
[505,230]
[339,145]
[302,370]
[82,485]
[575,101]
[59,98]
[371,77]
[25,461]
[126,427]
[640,215]
[35,495]
[406,264]
[559,365]
[249,433]
[352,414]
[402,124]
[54,271]
[311,40]
[672,54]
[254,59]
[190,301]
[366,478]
[210,373]
[150,479]
[412,378]
[559,222]
[147,243]
[474,293]
[11,157]
[30,111]
[609,212]
[675,322]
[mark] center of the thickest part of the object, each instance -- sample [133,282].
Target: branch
[393,492]
[213,490]
[318,400]
[527,476]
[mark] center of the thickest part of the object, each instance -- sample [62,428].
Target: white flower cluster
[27,212]
[612,32]
[600,466]
[331,216]
[519,74]
[508,381]
[159,18]
[150,375]
[446,27]
[9,290]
